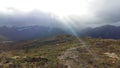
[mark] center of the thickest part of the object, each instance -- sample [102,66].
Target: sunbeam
[69,24]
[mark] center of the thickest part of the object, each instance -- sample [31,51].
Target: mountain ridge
[106,31]
[34,32]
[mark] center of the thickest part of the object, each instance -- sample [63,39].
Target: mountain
[34,32]
[29,32]
[106,31]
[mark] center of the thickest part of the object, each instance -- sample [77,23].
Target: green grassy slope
[61,51]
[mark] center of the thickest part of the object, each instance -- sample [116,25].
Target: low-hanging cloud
[101,12]
[106,10]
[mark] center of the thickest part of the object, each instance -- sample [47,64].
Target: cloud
[106,10]
[100,12]
[33,18]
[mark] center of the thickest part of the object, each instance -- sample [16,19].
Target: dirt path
[70,58]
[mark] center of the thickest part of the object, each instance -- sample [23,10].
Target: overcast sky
[78,13]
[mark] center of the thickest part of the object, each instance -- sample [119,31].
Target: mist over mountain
[35,17]
[36,24]
[21,21]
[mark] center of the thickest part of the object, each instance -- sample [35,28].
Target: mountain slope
[29,32]
[107,31]
[63,51]
[34,32]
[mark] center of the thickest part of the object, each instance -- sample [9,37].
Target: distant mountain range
[28,32]
[33,32]
[106,31]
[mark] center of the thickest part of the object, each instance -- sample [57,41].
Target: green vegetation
[45,53]
[2,38]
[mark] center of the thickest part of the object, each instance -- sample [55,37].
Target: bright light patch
[58,7]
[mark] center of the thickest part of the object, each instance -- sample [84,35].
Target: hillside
[62,51]
[2,38]
[34,32]
[29,32]
[106,31]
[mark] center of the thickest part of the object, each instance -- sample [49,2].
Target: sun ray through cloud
[69,24]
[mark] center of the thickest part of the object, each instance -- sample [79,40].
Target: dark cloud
[28,19]
[107,10]
[101,12]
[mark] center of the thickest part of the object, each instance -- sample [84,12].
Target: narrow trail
[71,59]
